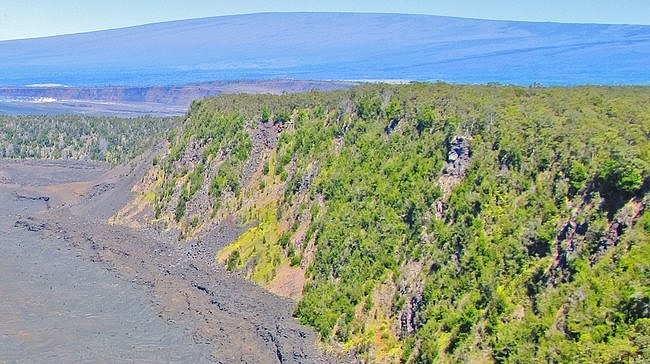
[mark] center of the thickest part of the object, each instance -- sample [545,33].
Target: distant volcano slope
[348,46]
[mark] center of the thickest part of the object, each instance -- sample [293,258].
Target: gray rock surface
[219,315]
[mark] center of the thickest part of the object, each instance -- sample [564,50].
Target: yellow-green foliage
[150,196]
[259,248]
[379,334]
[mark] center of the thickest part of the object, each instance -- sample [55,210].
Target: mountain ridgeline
[431,222]
[334,46]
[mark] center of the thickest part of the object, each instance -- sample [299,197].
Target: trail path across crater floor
[75,288]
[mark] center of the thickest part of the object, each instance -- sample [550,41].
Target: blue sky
[37,18]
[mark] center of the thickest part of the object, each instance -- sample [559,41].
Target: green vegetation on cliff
[434,222]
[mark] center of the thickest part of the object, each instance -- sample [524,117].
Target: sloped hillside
[334,46]
[430,222]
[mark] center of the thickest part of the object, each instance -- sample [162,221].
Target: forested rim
[80,137]
[431,222]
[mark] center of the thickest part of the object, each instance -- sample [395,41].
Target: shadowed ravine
[76,288]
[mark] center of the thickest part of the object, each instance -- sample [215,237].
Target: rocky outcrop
[265,138]
[45,199]
[458,157]
[578,237]
[30,224]
[411,289]
[623,219]
[99,189]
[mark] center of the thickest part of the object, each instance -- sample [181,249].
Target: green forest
[434,222]
[80,137]
[424,222]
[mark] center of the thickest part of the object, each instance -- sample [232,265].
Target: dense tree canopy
[82,137]
[432,222]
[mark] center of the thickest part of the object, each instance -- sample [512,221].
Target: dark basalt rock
[30,225]
[458,157]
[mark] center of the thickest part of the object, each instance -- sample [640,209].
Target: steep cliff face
[431,222]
